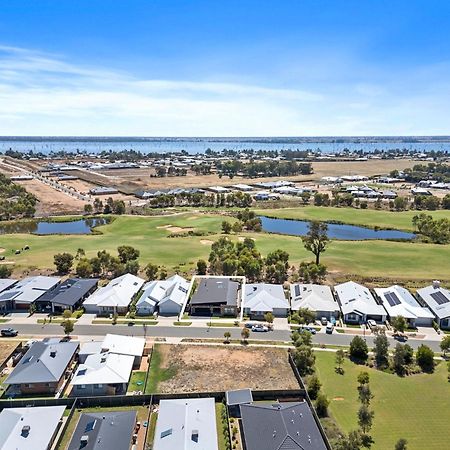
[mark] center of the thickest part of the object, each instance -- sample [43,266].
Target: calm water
[335,231]
[199,145]
[82,226]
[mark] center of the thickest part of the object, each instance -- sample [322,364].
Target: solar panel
[392,298]
[82,372]
[297,290]
[90,425]
[8,295]
[439,298]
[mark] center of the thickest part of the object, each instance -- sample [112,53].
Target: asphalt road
[198,332]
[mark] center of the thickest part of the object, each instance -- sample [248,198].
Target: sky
[225,68]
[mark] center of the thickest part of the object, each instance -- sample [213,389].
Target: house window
[98,386]
[47,384]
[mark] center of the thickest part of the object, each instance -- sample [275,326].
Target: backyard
[196,368]
[416,408]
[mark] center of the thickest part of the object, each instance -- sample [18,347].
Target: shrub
[359,349]
[322,403]
[425,358]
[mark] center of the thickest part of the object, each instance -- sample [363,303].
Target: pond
[335,231]
[43,227]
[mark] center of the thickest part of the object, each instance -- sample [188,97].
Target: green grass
[220,434]
[137,381]
[125,322]
[4,320]
[182,324]
[157,373]
[416,408]
[367,217]
[221,324]
[152,428]
[399,261]
[55,320]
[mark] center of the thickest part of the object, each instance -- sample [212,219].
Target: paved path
[199,333]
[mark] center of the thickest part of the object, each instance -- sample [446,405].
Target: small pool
[335,231]
[43,227]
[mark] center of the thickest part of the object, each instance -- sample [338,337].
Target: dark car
[9,332]
[310,329]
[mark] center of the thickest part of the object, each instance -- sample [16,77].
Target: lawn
[157,373]
[396,260]
[220,433]
[368,217]
[416,408]
[137,381]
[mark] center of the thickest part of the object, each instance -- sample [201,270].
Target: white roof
[264,297]
[316,297]
[173,289]
[42,421]
[104,368]
[354,297]
[400,302]
[117,293]
[242,187]
[123,345]
[437,299]
[31,288]
[188,424]
[5,283]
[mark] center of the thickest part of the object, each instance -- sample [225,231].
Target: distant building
[103,190]
[104,431]
[280,426]
[31,428]
[186,424]
[215,296]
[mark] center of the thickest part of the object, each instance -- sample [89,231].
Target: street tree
[445,344]
[245,333]
[359,349]
[227,336]
[68,326]
[381,350]
[399,324]
[425,358]
[339,359]
[316,240]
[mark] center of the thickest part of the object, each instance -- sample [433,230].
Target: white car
[329,329]
[260,328]
[371,323]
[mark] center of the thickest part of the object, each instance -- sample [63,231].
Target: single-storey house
[398,301]
[261,298]
[186,424]
[289,425]
[102,374]
[31,428]
[25,292]
[115,297]
[5,284]
[316,297]
[44,367]
[438,300]
[165,296]
[106,430]
[68,295]
[358,304]
[215,296]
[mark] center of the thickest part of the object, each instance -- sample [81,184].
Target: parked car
[259,328]
[9,332]
[330,327]
[250,324]
[371,323]
[323,320]
[310,329]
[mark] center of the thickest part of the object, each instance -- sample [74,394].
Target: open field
[210,368]
[416,408]
[366,217]
[398,261]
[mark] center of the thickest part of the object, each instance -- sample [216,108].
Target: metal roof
[216,291]
[315,297]
[239,397]
[70,291]
[104,431]
[437,299]
[282,426]
[44,362]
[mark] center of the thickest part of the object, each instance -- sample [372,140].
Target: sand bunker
[174,229]
[2,249]
[206,242]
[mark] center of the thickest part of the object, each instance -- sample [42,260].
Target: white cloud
[42,94]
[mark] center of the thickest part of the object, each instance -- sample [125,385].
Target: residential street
[30,330]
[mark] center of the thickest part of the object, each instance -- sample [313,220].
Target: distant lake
[199,145]
[81,226]
[335,231]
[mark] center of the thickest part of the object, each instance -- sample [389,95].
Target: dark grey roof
[283,426]
[216,291]
[239,397]
[70,292]
[44,362]
[104,431]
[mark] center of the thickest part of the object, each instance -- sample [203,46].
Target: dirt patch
[338,399]
[206,242]
[174,229]
[5,350]
[2,249]
[243,238]
[214,368]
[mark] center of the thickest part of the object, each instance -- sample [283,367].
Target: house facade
[261,298]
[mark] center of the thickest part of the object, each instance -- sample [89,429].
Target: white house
[262,298]
[187,424]
[358,304]
[398,301]
[438,300]
[316,297]
[165,296]
[115,297]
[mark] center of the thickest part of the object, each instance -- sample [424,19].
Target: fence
[65,426]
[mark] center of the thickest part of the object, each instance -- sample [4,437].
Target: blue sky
[234,68]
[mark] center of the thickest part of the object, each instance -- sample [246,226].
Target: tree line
[15,201]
